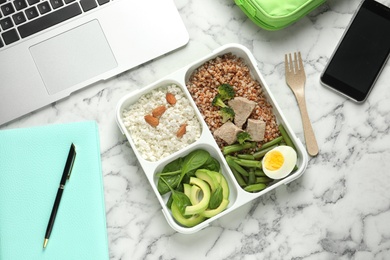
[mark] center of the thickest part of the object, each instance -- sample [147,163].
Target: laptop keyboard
[22,18]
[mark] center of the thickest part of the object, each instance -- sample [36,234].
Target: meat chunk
[256,129]
[242,107]
[228,132]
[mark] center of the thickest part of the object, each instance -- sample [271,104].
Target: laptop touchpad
[73,57]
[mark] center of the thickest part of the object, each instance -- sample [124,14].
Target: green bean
[237,147]
[273,142]
[263,180]
[231,162]
[259,173]
[246,156]
[255,187]
[252,177]
[249,163]
[239,178]
[259,154]
[286,137]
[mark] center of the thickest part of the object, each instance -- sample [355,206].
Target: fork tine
[286,68]
[293,65]
[296,68]
[290,63]
[300,61]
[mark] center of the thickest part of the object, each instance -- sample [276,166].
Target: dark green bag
[277,14]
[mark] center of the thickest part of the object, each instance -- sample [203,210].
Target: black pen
[65,176]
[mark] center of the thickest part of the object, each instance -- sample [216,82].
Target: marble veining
[338,209]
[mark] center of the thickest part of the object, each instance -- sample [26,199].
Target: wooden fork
[295,79]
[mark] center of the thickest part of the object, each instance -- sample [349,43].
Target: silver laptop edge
[31,79]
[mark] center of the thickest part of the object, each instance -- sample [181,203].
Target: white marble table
[338,209]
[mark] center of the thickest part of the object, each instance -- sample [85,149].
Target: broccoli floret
[226,92]
[243,136]
[227,113]
[218,102]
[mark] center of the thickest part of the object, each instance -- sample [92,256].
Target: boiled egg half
[279,162]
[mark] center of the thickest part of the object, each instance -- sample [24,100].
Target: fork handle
[310,139]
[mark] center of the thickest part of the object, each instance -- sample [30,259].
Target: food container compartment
[243,53]
[134,97]
[207,145]
[206,141]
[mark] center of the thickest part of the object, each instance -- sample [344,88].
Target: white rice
[155,143]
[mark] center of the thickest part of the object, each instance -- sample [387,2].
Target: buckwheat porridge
[229,69]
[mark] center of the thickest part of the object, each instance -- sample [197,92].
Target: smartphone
[361,53]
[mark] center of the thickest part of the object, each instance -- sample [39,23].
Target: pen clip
[70,160]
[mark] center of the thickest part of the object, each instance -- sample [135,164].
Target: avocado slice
[194,194]
[187,190]
[188,222]
[204,202]
[209,178]
[208,213]
[222,181]
[225,187]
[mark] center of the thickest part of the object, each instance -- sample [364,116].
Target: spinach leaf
[174,172]
[166,183]
[181,200]
[194,160]
[186,178]
[216,198]
[170,201]
[212,164]
[173,166]
[168,173]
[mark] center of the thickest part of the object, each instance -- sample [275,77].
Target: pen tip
[45,242]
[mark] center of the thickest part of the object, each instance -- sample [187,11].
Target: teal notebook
[31,164]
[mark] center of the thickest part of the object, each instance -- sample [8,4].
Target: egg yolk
[274,161]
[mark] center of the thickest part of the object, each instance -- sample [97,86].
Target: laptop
[51,48]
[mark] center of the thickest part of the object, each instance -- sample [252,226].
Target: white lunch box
[237,196]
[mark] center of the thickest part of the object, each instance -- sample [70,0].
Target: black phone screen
[362,52]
